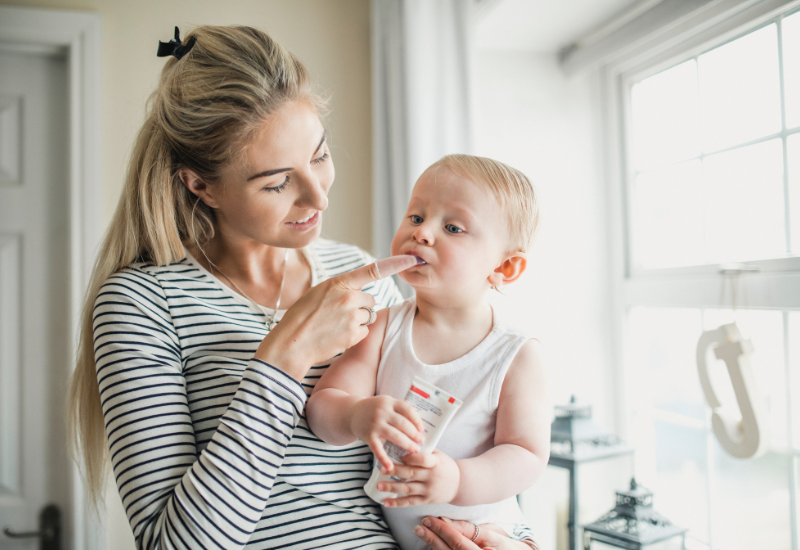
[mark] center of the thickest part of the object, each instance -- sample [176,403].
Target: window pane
[744,206]
[791,68]
[666,117]
[765,330]
[668,216]
[740,90]
[793,154]
[750,499]
[675,446]
[794,370]
[667,413]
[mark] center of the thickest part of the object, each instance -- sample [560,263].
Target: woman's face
[277,194]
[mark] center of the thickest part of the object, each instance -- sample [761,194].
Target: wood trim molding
[78,35]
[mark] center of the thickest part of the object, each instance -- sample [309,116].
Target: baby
[469,222]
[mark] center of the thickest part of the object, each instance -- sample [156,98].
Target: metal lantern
[632,523]
[575,440]
[573,428]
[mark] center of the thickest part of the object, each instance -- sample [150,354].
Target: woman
[199,387]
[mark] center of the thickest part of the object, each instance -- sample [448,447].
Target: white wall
[529,115]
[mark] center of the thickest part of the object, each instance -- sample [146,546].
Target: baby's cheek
[460,269]
[397,241]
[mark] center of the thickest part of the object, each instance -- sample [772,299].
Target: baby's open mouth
[420,261]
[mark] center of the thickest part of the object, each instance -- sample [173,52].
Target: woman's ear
[197,187]
[510,270]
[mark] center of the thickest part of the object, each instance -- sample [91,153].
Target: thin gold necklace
[271,321]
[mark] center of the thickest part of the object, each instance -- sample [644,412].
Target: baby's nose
[423,236]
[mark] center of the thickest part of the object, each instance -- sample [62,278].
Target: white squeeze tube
[436,408]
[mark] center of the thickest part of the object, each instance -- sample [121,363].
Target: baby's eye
[453,229]
[416,220]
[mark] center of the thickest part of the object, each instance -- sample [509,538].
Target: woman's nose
[313,194]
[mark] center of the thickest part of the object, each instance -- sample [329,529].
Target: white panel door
[34,285]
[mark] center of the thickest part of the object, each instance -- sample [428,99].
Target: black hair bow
[174,46]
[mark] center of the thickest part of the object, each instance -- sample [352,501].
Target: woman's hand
[327,319]
[382,418]
[431,478]
[446,534]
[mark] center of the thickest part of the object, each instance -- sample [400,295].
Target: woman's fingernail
[381,486]
[426,522]
[419,531]
[444,519]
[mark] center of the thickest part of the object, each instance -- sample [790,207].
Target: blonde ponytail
[207,107]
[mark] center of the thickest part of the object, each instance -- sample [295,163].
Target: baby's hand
[382,418]
[431,478]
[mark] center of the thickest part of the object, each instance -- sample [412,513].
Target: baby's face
[457,227]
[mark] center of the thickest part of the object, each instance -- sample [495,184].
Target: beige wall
[330,36]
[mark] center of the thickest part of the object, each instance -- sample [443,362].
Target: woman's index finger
[362,276]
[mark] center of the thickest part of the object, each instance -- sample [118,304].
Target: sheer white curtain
[421,98]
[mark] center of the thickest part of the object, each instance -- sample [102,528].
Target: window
[712,177]
[708,139]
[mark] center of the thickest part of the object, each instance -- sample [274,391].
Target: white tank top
[476,378]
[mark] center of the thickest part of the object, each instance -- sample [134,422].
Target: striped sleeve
[174,496]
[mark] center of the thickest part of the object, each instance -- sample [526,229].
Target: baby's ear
[510,270]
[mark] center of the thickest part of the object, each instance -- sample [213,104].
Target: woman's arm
[174,496]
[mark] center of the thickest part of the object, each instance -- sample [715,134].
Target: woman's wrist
[284,357]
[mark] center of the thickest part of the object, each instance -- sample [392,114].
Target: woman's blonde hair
[206,109]
[513,190]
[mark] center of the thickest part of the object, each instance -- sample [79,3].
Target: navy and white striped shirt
[210,447]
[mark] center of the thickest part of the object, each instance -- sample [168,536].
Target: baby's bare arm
[520,453]
[350,378]
[522,437]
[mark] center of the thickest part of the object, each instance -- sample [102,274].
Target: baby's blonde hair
[513,190]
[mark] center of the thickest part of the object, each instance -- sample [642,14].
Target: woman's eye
[453,229]
[416,220]
[321,159]
[278,188]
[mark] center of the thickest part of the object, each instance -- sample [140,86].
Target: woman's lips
[311,222]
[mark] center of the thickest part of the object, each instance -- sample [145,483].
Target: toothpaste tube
[436,408]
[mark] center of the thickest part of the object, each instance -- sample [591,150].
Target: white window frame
[776,282]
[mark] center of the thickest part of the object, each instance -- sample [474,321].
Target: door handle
[49,533]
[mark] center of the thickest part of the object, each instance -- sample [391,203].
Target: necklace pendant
[271,324]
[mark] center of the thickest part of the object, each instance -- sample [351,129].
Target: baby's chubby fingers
[420,460]
[406,492]
[411,473]
[402,502]
[376,446]
[389,433]
[409,412]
